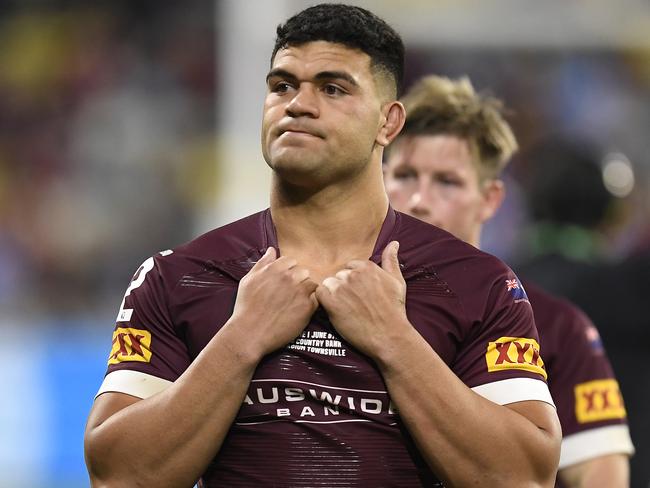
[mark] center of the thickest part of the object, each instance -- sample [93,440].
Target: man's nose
[303,103]
[420,202]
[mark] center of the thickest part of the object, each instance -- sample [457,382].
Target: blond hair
[438,105]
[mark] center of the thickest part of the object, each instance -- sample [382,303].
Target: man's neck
[331,226]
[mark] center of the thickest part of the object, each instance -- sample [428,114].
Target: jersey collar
[238,268]
[388,229]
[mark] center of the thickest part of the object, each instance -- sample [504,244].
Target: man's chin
[288,165]
[295,172]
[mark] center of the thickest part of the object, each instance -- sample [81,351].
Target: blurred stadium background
[128,127]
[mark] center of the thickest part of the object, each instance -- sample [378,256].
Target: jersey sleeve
[146,353]
[589,402]
[500,358]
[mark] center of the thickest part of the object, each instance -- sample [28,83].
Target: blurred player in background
[277,350]
[444,168]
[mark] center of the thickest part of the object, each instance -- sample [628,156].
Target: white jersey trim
[601,441]
[135,383]
[514,390]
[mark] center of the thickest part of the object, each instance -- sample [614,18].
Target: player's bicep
[105,406]
[99,437]
[541,414]
[541,439]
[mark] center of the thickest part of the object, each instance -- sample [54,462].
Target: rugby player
[328,340]
[444,168]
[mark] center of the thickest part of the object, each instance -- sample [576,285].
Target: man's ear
[393,117]
[494,192]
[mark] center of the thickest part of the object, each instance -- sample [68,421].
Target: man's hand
[366,303]
[274,302]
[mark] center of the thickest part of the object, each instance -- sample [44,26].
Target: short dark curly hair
[354,27]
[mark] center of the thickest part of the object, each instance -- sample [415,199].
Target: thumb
[389,260]
[267,258]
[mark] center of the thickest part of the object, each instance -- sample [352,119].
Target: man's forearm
[169,438]
[466,439]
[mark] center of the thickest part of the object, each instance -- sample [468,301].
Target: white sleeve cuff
[601,441]
[514,390]
[135,383]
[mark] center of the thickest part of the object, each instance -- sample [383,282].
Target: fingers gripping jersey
[589,403]
[317,412]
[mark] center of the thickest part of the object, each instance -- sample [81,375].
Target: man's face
[322,113]
[432,177]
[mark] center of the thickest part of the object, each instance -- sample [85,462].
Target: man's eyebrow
[323,75]
[281,73]
[333,75]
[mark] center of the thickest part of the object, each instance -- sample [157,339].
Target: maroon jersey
[317,412]
[581,380]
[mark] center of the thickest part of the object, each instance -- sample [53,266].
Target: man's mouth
[299,131]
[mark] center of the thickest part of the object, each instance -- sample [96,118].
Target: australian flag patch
[516,289]
[593,337]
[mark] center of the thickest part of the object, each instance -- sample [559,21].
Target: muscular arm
[611,471]
[466,439]
[168,439]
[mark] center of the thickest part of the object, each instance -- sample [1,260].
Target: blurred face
[432,177]
[322,113]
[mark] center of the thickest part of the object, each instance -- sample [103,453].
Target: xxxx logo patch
[514,353]
[130,345]
[599,400]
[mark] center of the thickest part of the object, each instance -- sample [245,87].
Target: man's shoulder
[480,281]
[560,322]
[555,311]
[233,247]
[228,242]
[546,299]
[424,245]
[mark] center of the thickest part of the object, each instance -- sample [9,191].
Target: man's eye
[333,90]
[405,175]
[281,87]
[448,181]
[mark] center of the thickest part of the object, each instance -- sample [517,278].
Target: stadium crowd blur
[106,144]
[108,154]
